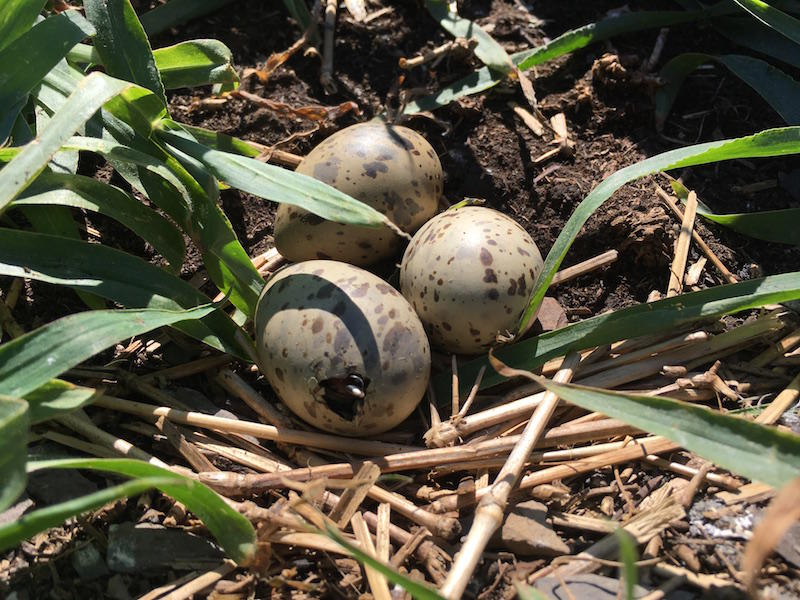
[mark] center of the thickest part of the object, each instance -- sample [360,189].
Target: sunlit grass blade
[77,191]
[117,276]
[279,185]
[57,397]
[195,63]
[527,592]
[772,142]
[749,449]
[232,530]
[418,591]
[779,21]
[16,17]
[123,45]
[643,319]
[628,557]
[88,97]
[37,357]
[175,12]
[773,85]
[30,56]
[488,50]
[14,421]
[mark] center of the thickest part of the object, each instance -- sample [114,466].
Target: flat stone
[16,510]
[789,546]
[526,533]
[587,586]
[132,548]
[52,486]
[88,563]
[551,315]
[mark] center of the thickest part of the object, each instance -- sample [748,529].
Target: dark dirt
[486,152]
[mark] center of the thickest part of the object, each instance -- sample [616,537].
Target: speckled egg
[341,347]
[469,273]
[391,168]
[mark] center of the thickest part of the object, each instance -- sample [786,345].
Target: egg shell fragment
[468,273]
[320,322]
[393,169]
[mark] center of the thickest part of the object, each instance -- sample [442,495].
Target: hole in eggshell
[345,395]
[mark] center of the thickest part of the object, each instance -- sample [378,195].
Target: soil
[487,152]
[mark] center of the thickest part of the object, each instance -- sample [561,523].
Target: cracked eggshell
[327,331]
[391,168]
[469,273]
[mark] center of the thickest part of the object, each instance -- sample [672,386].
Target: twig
[326,73]
[713,478]
[200,583]
[489,514]
[777,350]
[530,120]
[682,247]
[351,499]
[259,430]
[781,403]
[587,266]
[444,527]
[382,536]
[377,582]
[671,204]
[458,44]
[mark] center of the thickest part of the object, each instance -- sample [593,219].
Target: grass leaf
[87,98]
[37,357]
[17,17]
[14,420]
[779,21]
[755,451]
[195,63]
[488,50]
[759,37]
[57,397]
[114,275]
[643,319]
[231,529]
[772,142]
[78,191]
[175,12]
[773,85]
[30,56]
[123,45]
[628,556]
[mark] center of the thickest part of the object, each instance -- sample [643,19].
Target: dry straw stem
[382,536]
[673,206]
[377,582]
[489,514]
[188,369]
[239,484]
[725,481]
[353,496]
[326,73]
[441,526]
[534,124]
[200,583]
[438,53]
[698,580]
[781,403]
[777,350]
[587,266]
[189,451]
[81,445]
[259,430]
[582,522]
[682,247]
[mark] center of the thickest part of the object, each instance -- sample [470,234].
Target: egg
[341,347]
[469,273]
[393,169]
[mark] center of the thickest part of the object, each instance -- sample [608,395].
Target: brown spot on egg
[486,257]
[489,276]
[316,326]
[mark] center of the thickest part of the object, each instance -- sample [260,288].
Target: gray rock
[525,532]
[52,486]
[16,510]
[132,548]
[587,586]
[789,546]
[88,563]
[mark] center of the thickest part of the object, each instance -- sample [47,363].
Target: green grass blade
[175,12]
[528,592]
[195,63]
[78,191]
[88,97]
[772,17]
[29,57]
[488,50]
[114,275]
[17,17]
[57,397]
[28,525]
[14,421]
[628,557]
[418,591]
[279,185]
[221,141]
[773,85]
[123,45]
[772,142]
[759,37]
[231,529]
[749,449]
[643,319]
[37,357]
